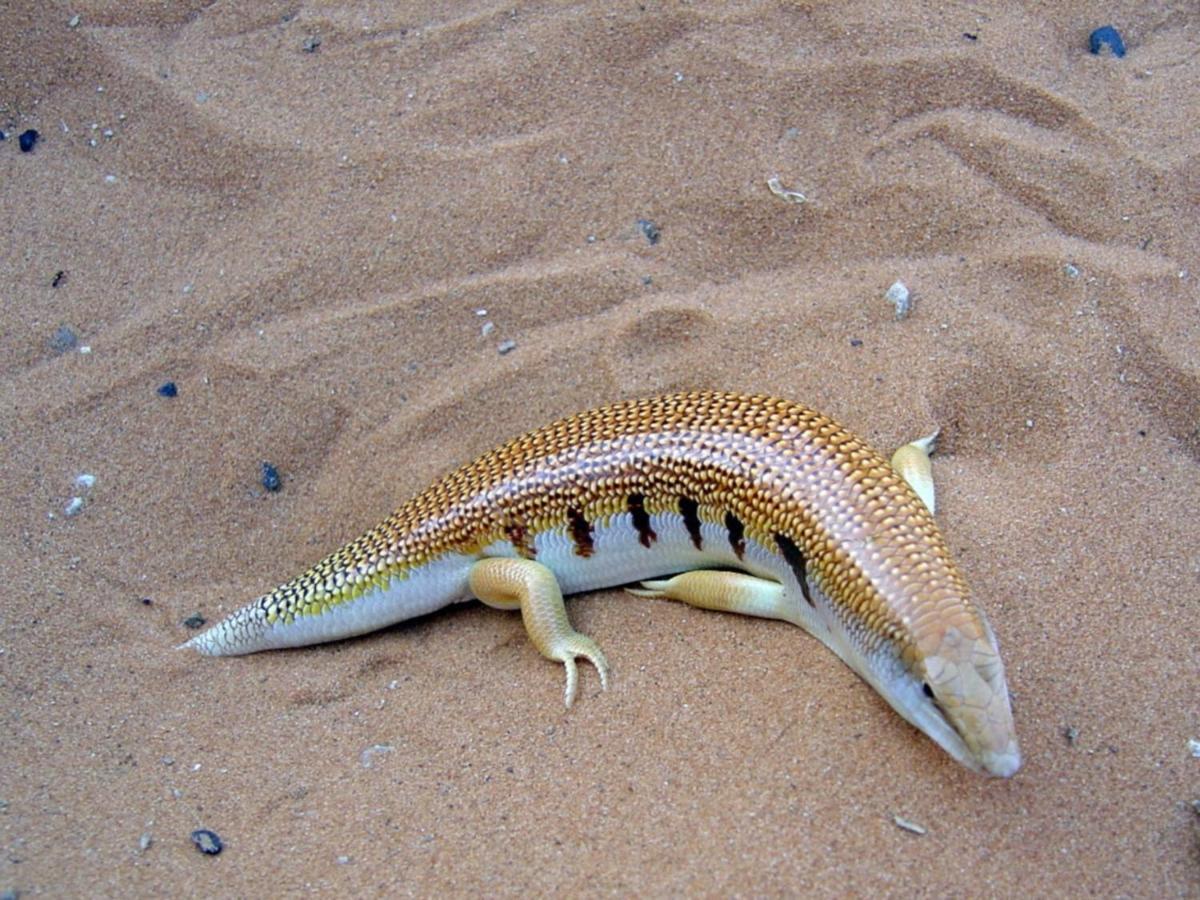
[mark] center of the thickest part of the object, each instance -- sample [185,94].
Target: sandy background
[302,242]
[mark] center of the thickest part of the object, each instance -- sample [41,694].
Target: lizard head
[958,695]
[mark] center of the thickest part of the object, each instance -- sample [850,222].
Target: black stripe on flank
[641,519]
[519,538]
[581,532]
[795,559]
[690,510]
[737,534]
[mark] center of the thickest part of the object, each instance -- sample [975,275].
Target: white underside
[618,557]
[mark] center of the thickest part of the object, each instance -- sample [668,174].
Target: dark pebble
[29,137]
[63,339]
[207,841]
[970,37]
[3,136]
[168,389]
[194,621]
[146,601]
[59,277]
[855,342]
[649,231]
[270,477]
[1106,36]
[311,44]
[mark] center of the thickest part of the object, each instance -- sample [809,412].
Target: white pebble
[367,757]
[1194,747]
[74,507]
[85,481]
[900,298]
[908,825]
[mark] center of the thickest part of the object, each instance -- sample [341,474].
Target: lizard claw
[578,645]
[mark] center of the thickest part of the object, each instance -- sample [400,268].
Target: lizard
[738,503]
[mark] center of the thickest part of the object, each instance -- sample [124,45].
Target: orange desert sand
[368,241]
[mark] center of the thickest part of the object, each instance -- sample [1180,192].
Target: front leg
[531,587]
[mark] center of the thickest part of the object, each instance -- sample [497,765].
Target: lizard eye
[926,689]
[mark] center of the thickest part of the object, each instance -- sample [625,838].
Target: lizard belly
[619,555]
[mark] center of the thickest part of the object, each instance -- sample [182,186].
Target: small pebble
[145,841]
[207,841]
[168,389]
[487,328]
[1071,733]
[27,139]
[776,187]
[3,136]
[270,477]
[367,757]
[311,44]
[1072,270]
[63,339]
[73,22]
[343,860]
[1106,36]
[146,601]
[85,481]
[900,298]
[194,621]
[907,825]
[649,231]
[59,277]
[507,347]
[1194,747]
[856,342]
[74,506]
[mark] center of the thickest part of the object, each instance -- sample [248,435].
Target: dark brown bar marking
[795,559]
[737,534]
[641,519]
[581,532]
[519,538]
[690,510]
